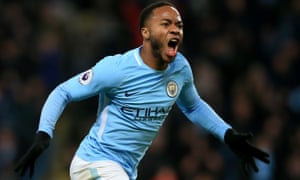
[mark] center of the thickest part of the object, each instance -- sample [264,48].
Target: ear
[145,33]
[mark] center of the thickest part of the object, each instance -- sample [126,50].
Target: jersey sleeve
[198,111]
[100,78]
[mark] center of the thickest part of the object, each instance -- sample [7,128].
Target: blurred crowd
[244,53]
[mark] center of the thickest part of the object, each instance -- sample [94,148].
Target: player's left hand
[239,144]
[41,142]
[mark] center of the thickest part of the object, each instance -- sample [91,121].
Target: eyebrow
[169,20]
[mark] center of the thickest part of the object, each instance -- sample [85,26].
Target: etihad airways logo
[147,114]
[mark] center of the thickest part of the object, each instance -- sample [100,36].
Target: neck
[149,58]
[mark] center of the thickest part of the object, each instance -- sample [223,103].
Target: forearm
[52,109]
[204,116]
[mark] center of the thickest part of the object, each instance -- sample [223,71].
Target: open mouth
[173,43]
[173,46]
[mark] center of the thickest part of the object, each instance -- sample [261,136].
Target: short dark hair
[146,12]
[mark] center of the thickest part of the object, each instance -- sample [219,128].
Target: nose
[174,29]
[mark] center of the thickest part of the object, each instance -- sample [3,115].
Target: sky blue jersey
[134,101]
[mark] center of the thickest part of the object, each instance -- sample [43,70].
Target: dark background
[245,57]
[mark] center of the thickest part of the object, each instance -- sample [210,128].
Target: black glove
[238,143]
[41,142]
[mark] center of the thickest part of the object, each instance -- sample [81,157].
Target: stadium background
[245,57]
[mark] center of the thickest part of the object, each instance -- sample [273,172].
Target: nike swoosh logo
[127,94]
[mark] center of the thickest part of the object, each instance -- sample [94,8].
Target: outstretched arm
[52,109]
[73,89]
[81,86]
[200,113]
[203,115]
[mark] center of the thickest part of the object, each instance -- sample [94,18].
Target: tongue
[171,52]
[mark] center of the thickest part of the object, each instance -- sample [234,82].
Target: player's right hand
[41,142]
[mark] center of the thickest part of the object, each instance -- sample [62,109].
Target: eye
[180,26]
[165,24]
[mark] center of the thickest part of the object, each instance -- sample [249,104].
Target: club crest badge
[86,77]
[172,89]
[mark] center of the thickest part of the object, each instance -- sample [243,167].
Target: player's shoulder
[182,65]
[123,56]
[117,60]
[181,61]
[181,58]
